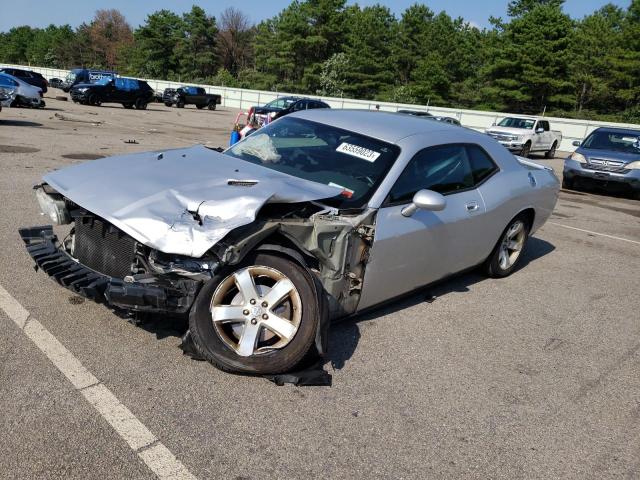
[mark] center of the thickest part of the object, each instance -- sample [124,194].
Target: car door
[547,135]
[409,252]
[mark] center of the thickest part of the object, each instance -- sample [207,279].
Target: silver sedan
[321,214]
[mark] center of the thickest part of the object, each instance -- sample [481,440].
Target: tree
[234,40]
[596,38]
[155,41]
[517,8]
[529,64]
[368,49]
[196,48]
[109,32]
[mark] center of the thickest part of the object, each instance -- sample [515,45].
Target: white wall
[242,99]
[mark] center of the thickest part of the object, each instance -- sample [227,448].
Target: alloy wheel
[256,310]
[511,245]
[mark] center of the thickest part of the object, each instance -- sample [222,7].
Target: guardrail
[479,120]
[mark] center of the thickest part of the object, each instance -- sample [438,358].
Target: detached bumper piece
[150,295]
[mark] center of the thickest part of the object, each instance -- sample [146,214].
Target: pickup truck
[525,135]
[191,96]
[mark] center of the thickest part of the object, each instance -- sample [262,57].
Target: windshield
[103,81]
[323,154]
[281,103]
[627,142]
[7,82]
[513,122]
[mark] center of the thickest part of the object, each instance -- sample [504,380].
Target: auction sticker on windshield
[356,151]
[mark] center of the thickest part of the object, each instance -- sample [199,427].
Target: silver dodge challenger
[321,214]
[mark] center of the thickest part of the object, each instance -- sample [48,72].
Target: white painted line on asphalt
[62,358]
[164,464]
[120,417]
[13,309]
[595,233]
[152,452]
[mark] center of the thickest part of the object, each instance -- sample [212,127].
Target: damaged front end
[99,261]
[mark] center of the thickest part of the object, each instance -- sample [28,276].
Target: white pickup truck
[525,135]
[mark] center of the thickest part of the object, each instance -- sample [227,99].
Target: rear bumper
[154,295]
[574,170]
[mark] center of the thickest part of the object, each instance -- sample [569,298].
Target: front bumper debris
[153,295]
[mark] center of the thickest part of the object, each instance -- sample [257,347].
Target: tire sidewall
[494,263]
[217,352]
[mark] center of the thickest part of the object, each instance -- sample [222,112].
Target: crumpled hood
[150,195]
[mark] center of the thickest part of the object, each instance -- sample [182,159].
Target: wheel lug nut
[245,312]
[265,304]
[253,321]
[252,301]
[265,316]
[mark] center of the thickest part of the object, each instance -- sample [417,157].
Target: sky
[40,13]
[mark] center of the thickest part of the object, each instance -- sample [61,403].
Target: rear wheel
[199,107]
[259,317]
[551,153]
[167,104]
[127,105]
[211,106]
[141,103]
[526,150]
[505,256]
[94,100]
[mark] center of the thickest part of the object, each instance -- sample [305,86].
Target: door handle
[472,206]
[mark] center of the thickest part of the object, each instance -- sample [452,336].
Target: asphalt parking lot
[532,376]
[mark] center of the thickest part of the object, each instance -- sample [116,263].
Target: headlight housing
[52,206]
[82,90]
[578,157]
[633,165]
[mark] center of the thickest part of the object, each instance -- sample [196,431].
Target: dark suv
[32,78]
[129,92]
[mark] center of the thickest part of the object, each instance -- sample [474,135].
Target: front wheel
[180,104]
[259,317]
[127,105]
[505,256]
[567,183]
[526,150]
[199,107]
[167,104]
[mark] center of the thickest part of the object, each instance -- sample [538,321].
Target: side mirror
[425,200]
[576,143]
[539,130]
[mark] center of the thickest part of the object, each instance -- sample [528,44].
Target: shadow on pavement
[19,123]
[345,334]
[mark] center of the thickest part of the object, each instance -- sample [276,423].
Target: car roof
[618,130]
[386,126]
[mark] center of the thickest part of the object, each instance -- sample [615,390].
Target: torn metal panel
[180,201]
[339,243]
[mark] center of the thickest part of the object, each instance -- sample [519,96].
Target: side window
[545,125]
[445,169]
[481,164]
[119,83]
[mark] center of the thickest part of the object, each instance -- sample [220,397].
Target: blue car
[608,158]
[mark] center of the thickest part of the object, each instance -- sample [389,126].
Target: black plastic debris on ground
[312,375]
